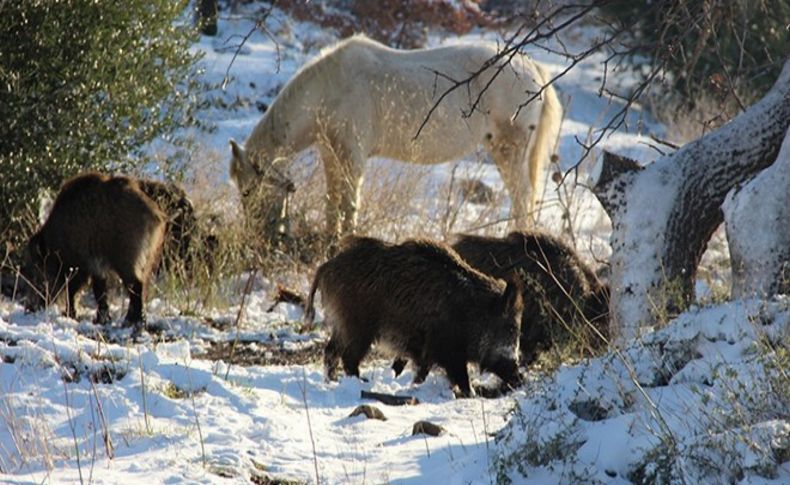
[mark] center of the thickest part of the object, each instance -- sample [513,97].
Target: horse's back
[402,86]
[379,97]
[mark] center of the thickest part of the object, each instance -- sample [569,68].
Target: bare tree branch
[260,25]
[511,48]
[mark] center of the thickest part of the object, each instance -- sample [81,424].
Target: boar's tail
[309,312]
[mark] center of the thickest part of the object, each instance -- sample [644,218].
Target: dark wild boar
[181,221]
[188,246]
[422,301]
[98,224]
[562,296]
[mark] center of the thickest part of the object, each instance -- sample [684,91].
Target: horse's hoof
[102,319]
[137,327]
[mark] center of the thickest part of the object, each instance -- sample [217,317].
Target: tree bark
[664,214]
[757,219]
[207,16]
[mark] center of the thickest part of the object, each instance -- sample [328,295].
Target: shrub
[84,85]
[398,23]
[709,47]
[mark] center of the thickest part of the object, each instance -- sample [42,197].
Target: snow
[641,239]
[758,260]
[703,382]
[674,385]
[679,381]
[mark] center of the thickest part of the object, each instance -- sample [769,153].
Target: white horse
[361,99]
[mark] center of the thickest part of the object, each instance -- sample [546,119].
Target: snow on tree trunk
[757,218]
[664,214]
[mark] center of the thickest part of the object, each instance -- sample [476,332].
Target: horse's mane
[320,64]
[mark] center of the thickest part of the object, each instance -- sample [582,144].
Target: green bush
[709,47]
[84,85]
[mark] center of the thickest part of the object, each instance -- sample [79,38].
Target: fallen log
[390,399]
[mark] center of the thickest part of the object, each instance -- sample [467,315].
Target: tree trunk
[664,214]
[757,218]
[207,16]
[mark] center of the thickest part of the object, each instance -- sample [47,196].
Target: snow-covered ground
[704,398]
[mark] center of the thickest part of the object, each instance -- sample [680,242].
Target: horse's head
[264,189]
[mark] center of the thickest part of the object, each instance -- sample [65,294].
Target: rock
[371,412]
[589,410]
[426,427]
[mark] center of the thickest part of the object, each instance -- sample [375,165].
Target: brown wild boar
[422,301]
[98,224]
[561,294]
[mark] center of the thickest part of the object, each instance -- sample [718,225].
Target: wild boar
[98,224]
[181,221]
[188,244]
[562,295]
[422,301]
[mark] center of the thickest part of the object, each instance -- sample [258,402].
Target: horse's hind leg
[509,150]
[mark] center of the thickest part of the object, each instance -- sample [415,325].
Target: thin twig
[108,447]
[197,420]
[73,428]
[244,295]
[510,50]
[143,391]
[303,389]
[260,24]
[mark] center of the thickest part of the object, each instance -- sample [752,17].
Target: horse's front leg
[350,195]
[343,170]
[334,187]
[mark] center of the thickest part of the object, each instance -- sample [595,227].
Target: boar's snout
[506,368]
[31,299]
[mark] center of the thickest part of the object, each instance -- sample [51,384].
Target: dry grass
[687,123]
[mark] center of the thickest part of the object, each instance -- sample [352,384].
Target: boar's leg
[458,375]
[530,343]
[353,354]
[423,368]
[100,294]
[350,352]
[357,346]
[74,283]
[331,355]
[398,365]
[136,290]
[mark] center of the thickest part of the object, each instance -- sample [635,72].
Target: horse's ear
[237,160]
[236,150]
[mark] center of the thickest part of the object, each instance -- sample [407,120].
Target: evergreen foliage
[85,84]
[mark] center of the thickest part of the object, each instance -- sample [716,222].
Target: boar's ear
[512,296]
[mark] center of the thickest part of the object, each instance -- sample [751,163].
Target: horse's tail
[545,139]
[309,312]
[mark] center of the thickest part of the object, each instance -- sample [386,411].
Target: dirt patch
[264,353]
[278,353]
